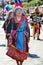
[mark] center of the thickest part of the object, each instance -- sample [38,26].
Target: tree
[29,0]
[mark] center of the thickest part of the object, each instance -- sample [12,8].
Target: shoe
[33,37]
[38,39]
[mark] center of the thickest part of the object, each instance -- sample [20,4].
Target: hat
[18,4]
[9,7]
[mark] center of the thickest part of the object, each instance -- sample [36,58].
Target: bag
[11,52]
[15,53]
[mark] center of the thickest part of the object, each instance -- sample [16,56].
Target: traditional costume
[20,36]
[36,18]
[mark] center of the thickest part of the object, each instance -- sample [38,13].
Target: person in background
[28,18]
[8,26]
[36,18]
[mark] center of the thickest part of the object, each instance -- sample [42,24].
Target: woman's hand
[13,32]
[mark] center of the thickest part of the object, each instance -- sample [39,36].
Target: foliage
[33,3]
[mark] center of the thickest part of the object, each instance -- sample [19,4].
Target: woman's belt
[21,30]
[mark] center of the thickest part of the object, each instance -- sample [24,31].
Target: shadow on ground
[33,56]
[41,39]
[2,45]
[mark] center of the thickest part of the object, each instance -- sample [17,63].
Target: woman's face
[19,12]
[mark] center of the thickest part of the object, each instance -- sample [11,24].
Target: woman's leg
[34,32]
[38,32]
[21,63]
[17,62]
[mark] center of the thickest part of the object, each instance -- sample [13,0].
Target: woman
[23,34]
[20,35]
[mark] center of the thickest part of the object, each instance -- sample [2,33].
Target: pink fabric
[13,32]
[26,33]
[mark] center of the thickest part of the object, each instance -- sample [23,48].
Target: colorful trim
[15,20]
[17,54]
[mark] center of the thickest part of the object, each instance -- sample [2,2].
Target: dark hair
[28,11]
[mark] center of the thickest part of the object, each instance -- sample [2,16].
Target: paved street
[35,56]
